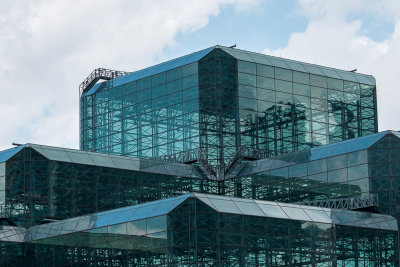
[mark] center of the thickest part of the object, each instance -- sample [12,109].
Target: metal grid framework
[99,74]
[63,184]
[220,99]
[351,203]
[222,231]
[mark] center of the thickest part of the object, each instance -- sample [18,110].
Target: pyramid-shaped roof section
[299,66]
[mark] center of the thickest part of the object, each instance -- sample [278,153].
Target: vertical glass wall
[193,233]
[198,235]
[37,188]
[282,110]
[218,107]
[296,178]
[271,107]
[149,117]
[2,183]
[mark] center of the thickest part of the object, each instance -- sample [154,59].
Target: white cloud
[48,47]
[333,40]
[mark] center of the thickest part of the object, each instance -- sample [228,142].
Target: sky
[47,48]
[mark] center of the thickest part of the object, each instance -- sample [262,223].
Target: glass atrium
[223,157]
[220,99]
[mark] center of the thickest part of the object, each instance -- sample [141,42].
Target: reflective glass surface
[221,99]
[218,236]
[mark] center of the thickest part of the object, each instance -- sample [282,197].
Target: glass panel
[249,208]
[358,157]
[337,176]
[266,71]
[283,74]
[357,172]
[301,77]
[337,162]
[225,206]
[136,227]
[296,213]
[117,229]
[157,224]
[318,215]
[246,67]
[273,211]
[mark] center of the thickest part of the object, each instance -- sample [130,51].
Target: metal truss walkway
[352,203]
[99,74]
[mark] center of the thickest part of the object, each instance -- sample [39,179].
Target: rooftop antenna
[15,144]
[233,46]
[353,70]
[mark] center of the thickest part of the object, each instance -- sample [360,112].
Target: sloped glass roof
[105,160]
[299,66]
[261,208]
[240,55]
[330,150]
[7,154]
[171,64]
[106,218]
[220,204]
[12,234]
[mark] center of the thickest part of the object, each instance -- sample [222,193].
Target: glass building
[221,99]
[219,158]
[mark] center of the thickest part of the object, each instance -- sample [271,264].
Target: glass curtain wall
[149,117]
[193,233]
[282,110]
[219,137]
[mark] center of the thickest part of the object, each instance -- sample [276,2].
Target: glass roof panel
[101,160]
[248,208]
[174,63]
[82,158]
[364,79]
[273,211]
[313,69]
[295,65]
[238,54]
[206,201]
[278,62]
[226,205]
[347,75]
[125,163]
[166,206]
[318,215]
[372,80]
[222,204]
[330,72]
[296,213]
[56,154]
[261,59]
[93,89]
[7,154]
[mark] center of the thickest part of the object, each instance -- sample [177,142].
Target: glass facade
[208,230]
[218,158]
[65,183]
[223,100]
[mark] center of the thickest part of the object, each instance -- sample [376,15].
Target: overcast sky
[48,47]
